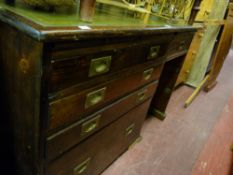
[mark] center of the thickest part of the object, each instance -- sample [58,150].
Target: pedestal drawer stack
[98,98]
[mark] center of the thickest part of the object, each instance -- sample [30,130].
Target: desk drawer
[71,71]
[179,44]
[93,155]
[74,107]
[72,135]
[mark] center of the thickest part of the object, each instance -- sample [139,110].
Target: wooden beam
[190,57]
[196,92]
[214,22]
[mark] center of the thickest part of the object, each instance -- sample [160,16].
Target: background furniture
[199,45]
[204,53]
[222,49]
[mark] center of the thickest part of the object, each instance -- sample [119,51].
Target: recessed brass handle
[101,68]
[130,129]
[95,97]
[90,125]
[154,52]
[148,73]
[82,167]
[100,65]
[142,95]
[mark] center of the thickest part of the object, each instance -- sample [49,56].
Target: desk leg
[166,85]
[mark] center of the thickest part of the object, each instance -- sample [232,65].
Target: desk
[78,93]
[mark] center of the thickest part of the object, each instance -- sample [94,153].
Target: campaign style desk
[77,94]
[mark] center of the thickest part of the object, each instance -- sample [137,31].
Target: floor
[216,157]
[188,141]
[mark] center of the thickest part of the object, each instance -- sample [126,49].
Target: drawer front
[72,135]
[69,72]
[180,44]
[93,155]
[74,107]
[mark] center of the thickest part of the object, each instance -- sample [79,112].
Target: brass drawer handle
[101,68]
[100,65]
[142,95]
[154,52]
[130,129]
[95,97]
[148,73]
[90,125]
[82,167]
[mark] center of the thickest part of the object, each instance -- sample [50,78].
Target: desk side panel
[20,68]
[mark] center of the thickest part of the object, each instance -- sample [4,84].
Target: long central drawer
[92,156]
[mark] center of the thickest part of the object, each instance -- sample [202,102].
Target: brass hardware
[201,35]
[82,167]
[90,125]
[24,65]
[147,74]
[139,139]
[158,114]
[167,90]
[95,97]
[207,12]
[130,129]
[100,65]
[231,148]
[142,95]
[194,53]
[154,51]
[182,45]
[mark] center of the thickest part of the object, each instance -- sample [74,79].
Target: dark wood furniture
[76,96]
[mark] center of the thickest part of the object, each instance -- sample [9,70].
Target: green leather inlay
[104,17]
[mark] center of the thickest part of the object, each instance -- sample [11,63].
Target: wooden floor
[189,141]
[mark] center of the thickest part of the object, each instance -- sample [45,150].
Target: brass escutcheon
[24,65]
[154,52]
[100,65]
[182,45]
